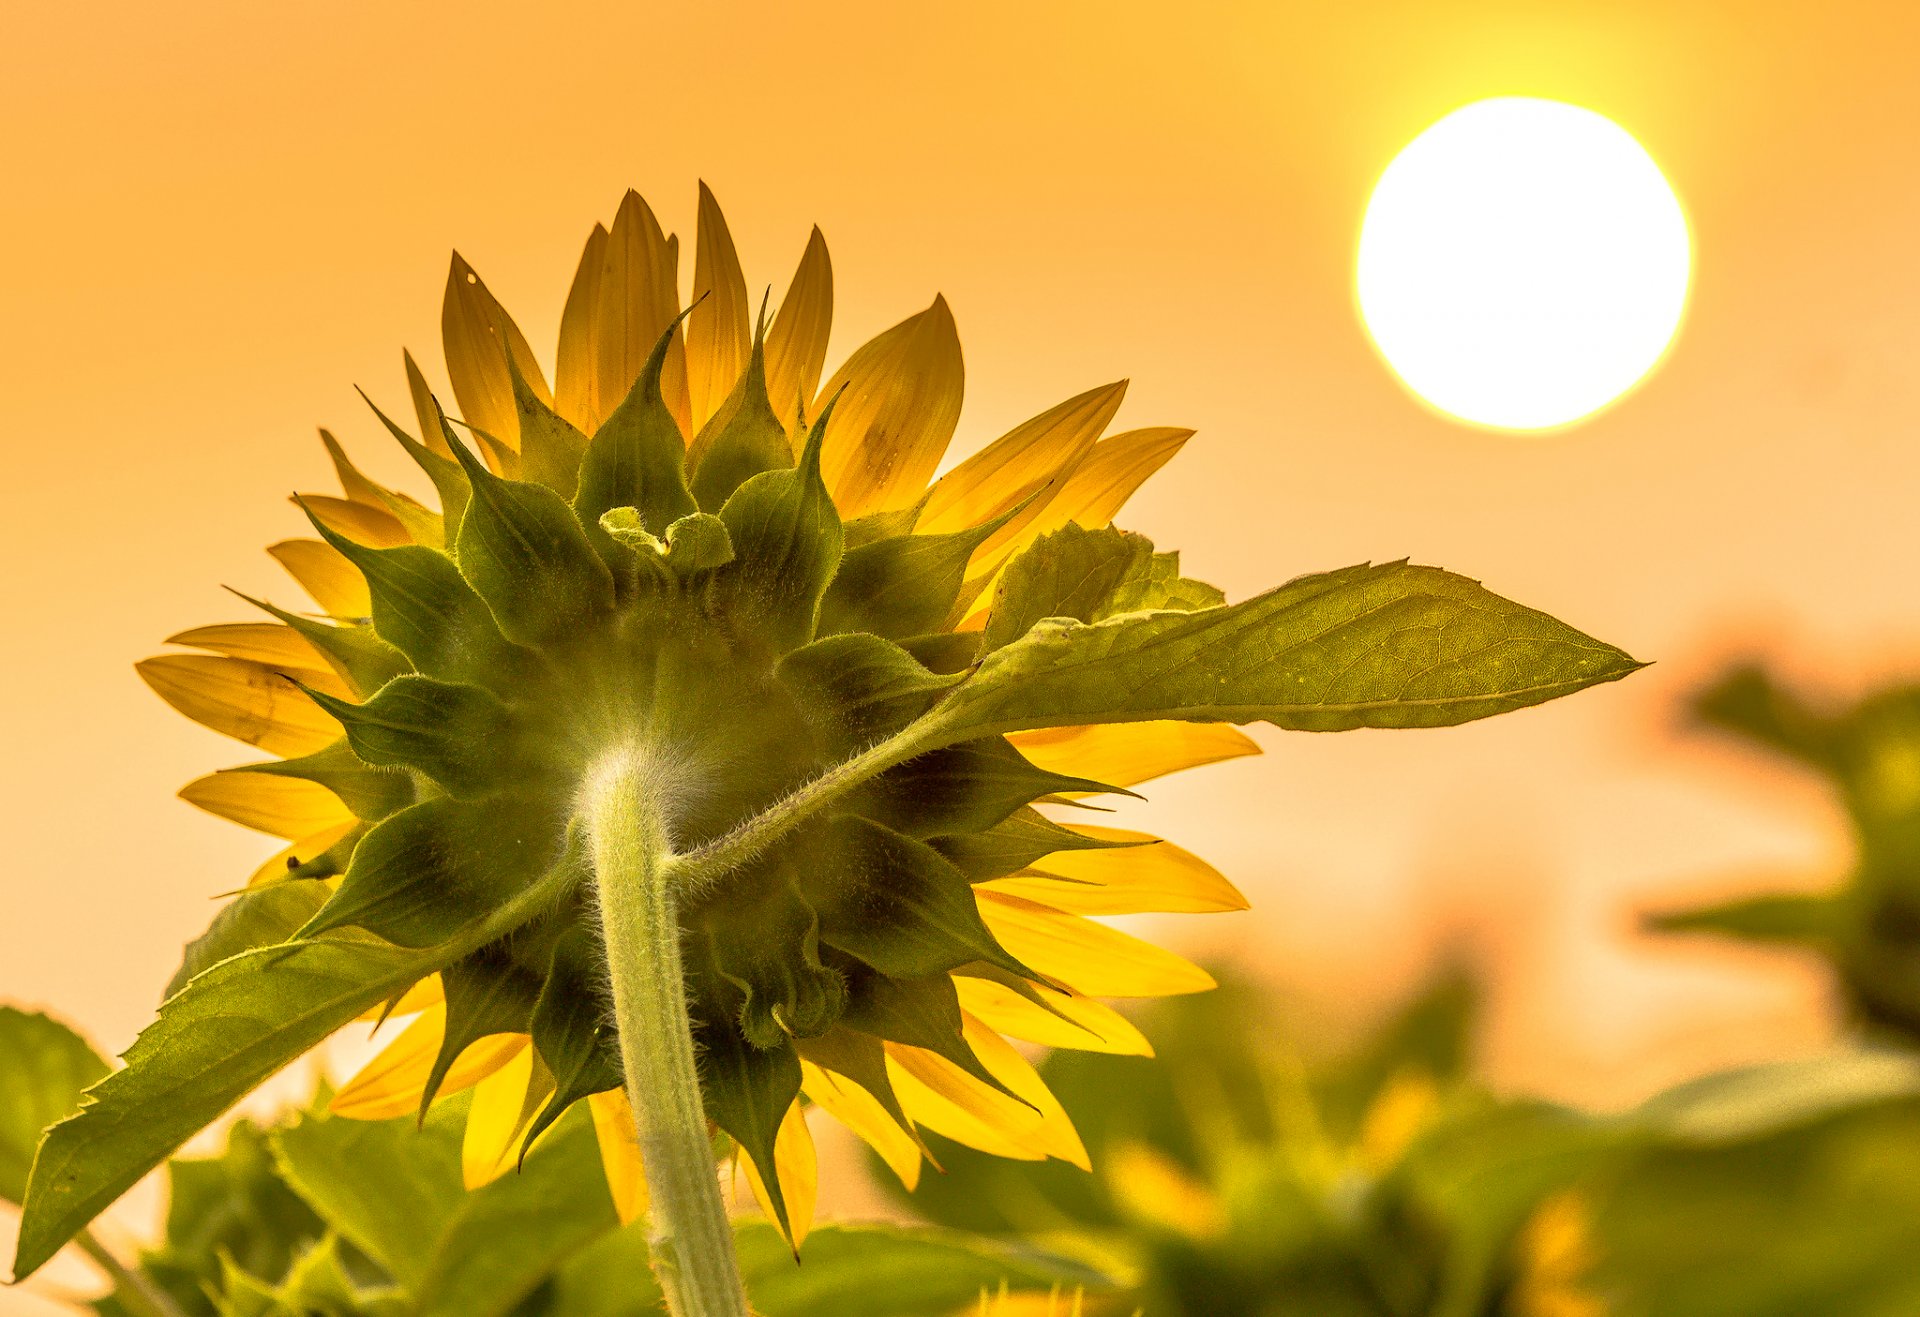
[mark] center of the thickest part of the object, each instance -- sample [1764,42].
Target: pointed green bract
[459,735]
[786,542]
[551,449]
[742,440]
[637,459]
[371,792]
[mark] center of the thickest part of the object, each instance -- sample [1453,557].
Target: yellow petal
[287,807]
[899,401]
[425,408]
[1090,958]
[620,1152]
[1150,1186]
[499,1115]
[1149,875]
[427,992]
[1088,1026]
[638,298]
[797,339]
[1031,454]
[389,1085]
[299,853]
[938,1094]
[1110,474]
[352,483]
[576,377]
[245,700]
[799,1171]
[374,527]
[1126,754]
[264,642]
[473,329]
[862,1113]
[720,328]
[324,573]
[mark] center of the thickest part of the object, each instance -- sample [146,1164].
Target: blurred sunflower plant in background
[687,761]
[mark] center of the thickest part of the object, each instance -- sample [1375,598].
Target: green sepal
[431,871]
[551,448]
[1776,917]
[363,660]
[459,735]
[215,1041]
[746,1090]
[1012,844]
[946,652]
[424,608]
[1392,645]
[894,903]
[786,543]
[44,1066]
[636,459]
[696,543]
[261,917]
[488,992]
[885,525]
[858,1058]
[370,791]
[570,1031]
[448,481]
[741,440]
[962,788]
[857,688]
[921,1012]
[766,943]
[526,554]
[902,586]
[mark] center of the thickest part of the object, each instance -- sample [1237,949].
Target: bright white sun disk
[1523,263]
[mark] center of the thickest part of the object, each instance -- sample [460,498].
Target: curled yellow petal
[1044,449]
[325,574]
[797,339]
[720,327]
[1147,876]
[576,378]
[299,853]
[248,701]
[263,642]
[1126,754]
[477,333]
[374,527]
[504,1102]
[390,1083]
[1087,1025]
[620,1152]
[798,1167]
[1090,958]
[288,807]
[862,1113]
[638,298]
[899,401]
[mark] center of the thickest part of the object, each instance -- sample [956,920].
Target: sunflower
[700,738]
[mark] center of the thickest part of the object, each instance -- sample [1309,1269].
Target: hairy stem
[639,913]
[134,1289]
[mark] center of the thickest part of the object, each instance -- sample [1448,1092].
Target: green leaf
[1775,917]
[895,903]
[459,735]
[610,1277]
[1162,586]
[234,1208]
[786,542]
[741,440]
[886,1271]
[428,873]
[1070,572]
[1751,703]
[637,458]
[528,557]
[1760,1100]
[261,917]
[43,1067]
[216,1040]
[1370,646]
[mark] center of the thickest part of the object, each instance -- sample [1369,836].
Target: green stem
[692,1239]
[134,1288]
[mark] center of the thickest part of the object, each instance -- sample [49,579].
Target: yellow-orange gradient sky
[215,218]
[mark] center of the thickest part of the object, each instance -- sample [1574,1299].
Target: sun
[1523,263]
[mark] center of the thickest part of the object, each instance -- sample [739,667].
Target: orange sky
[216,218]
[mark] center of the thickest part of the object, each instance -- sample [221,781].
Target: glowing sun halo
[1523,263]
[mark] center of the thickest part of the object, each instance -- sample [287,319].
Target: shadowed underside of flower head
[687,554]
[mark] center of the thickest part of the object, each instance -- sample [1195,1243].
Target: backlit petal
[287,807]
[720,328]
[375,527]
[1151,876]
[1125,754]
[495,1121]
[1018,1074]
[638,298]
[389,1085]
[325,574]
[797,339]
[1088,957]
[862,1113]
[938,1094]
[576,378]
[245,700]
[1088,1026]
[425,409]
[620,1152]
[1108,477]
[799,1169]
[1028,456]
[264,642]
[477,333]
[899,401]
